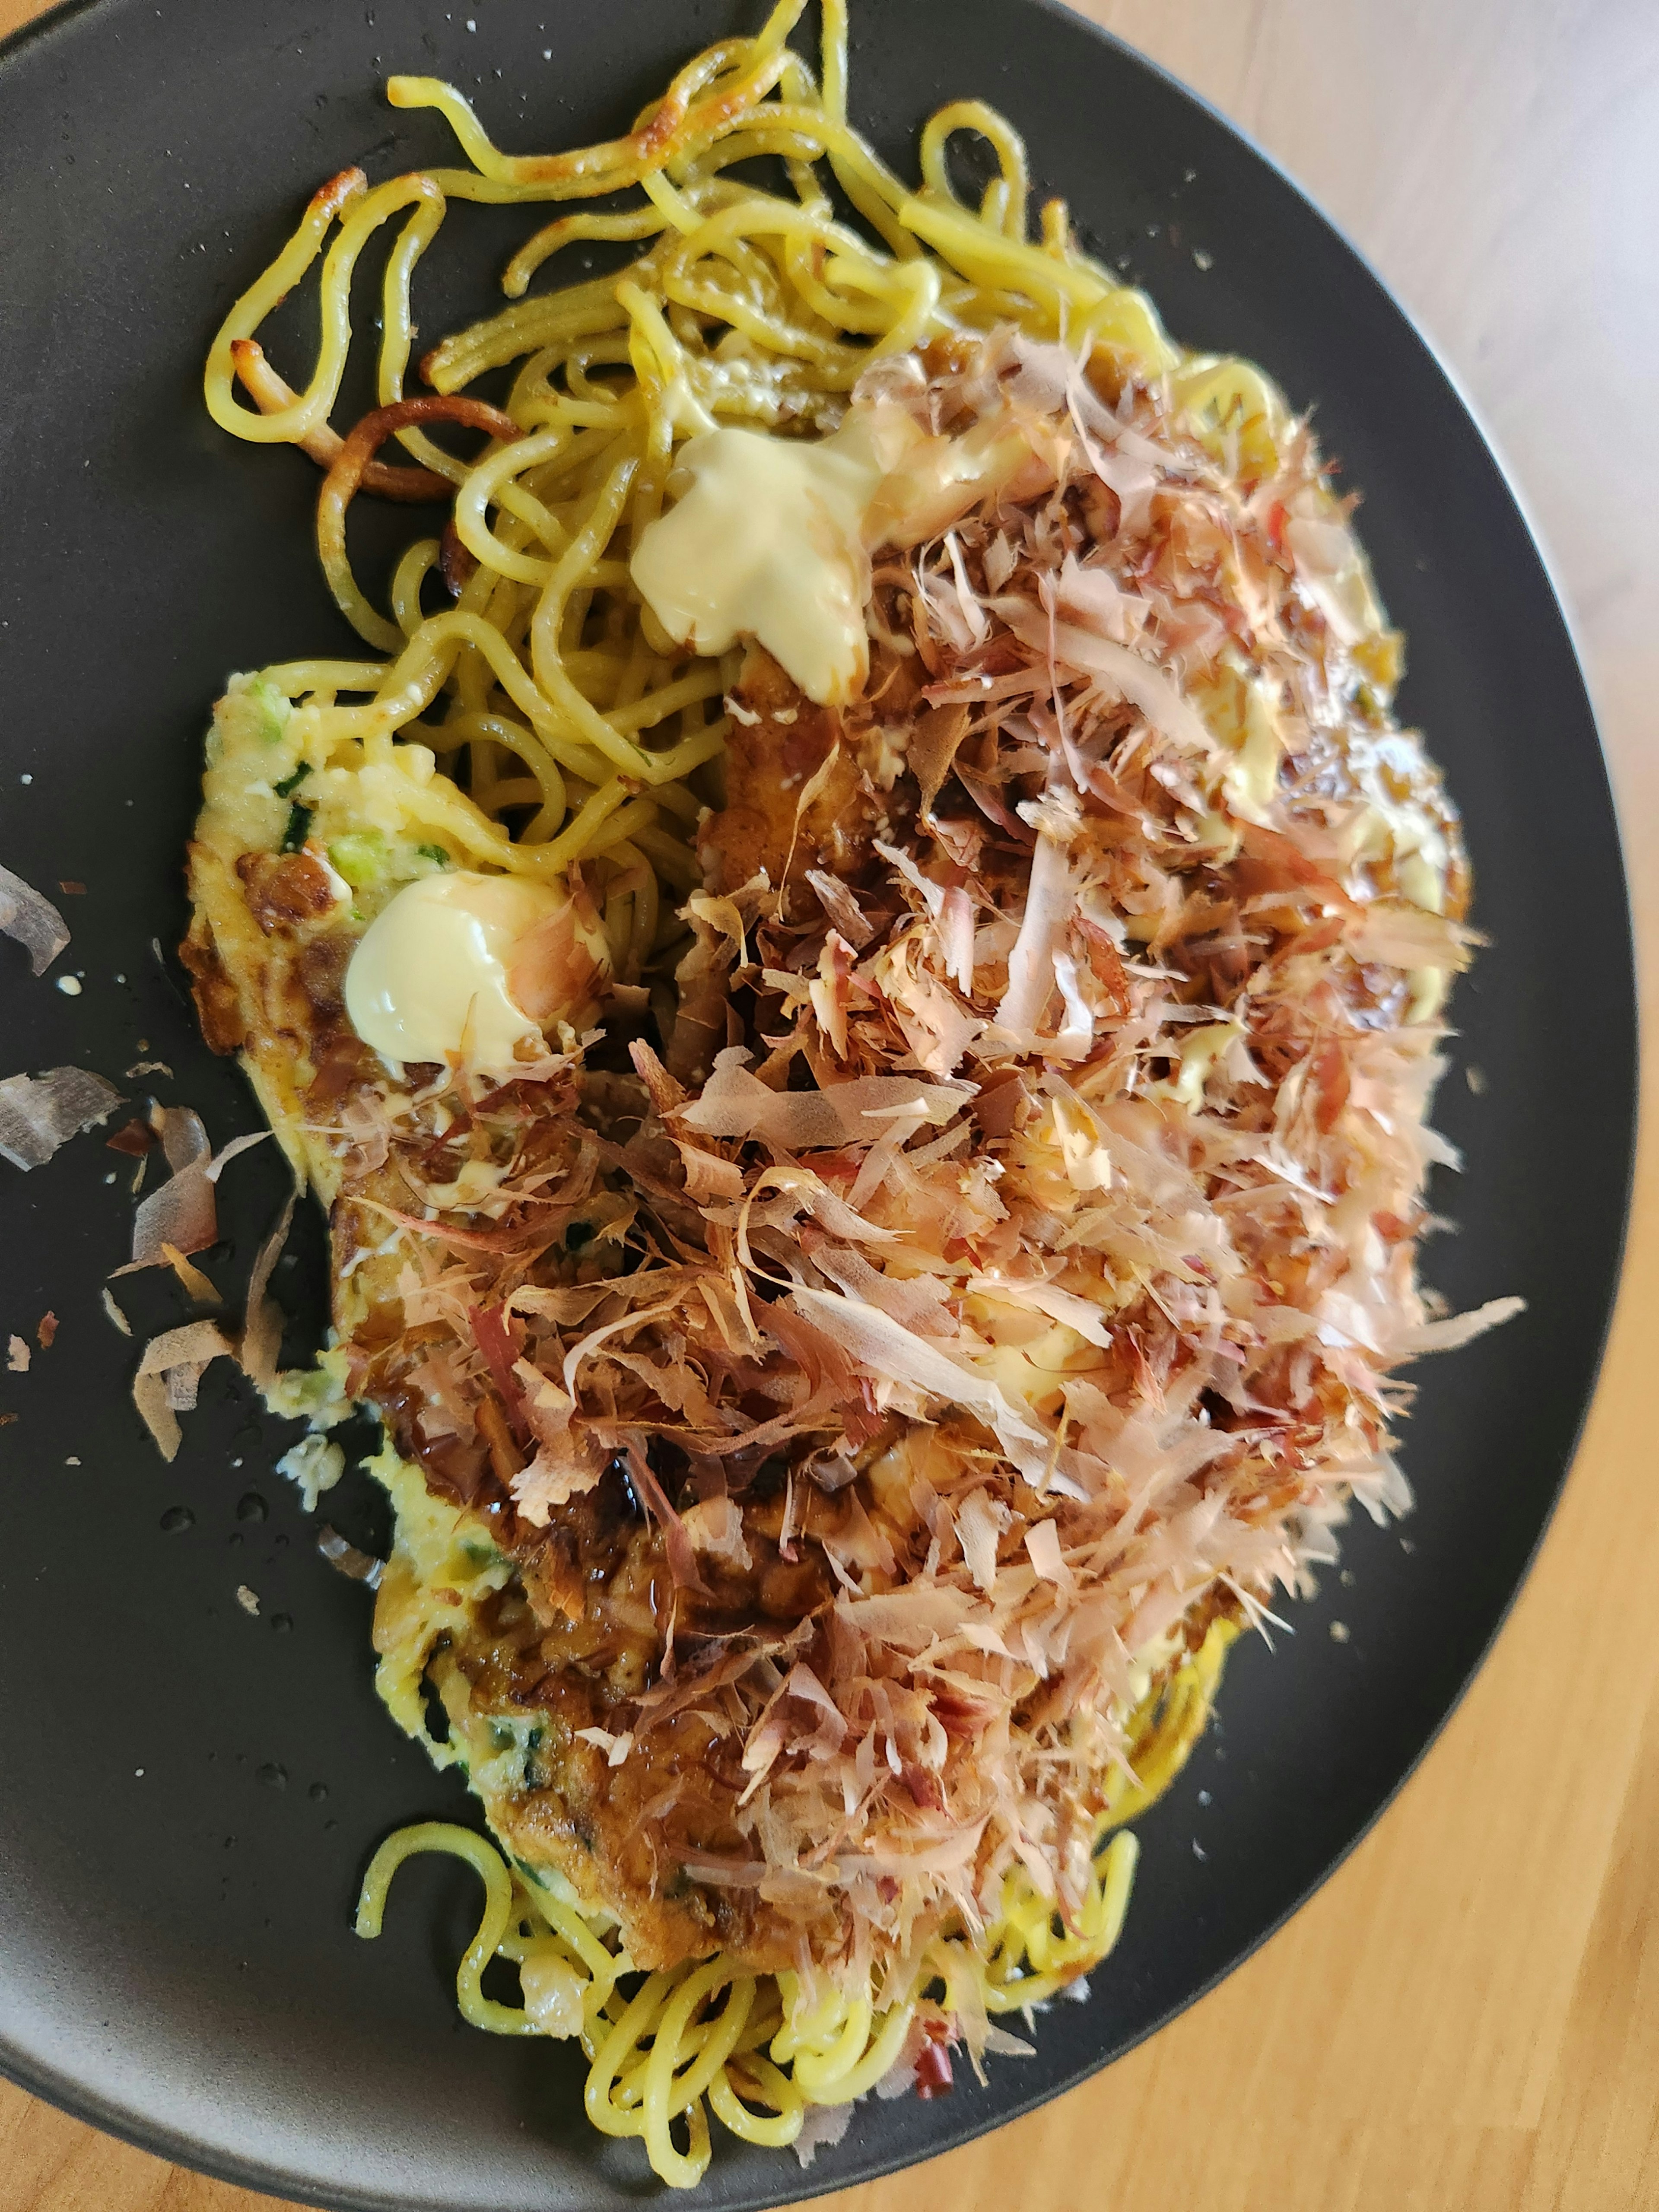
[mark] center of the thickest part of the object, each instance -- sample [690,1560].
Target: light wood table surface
[1467,2016]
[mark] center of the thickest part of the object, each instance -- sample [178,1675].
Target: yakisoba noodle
[593,739]
[574,733]
[707,2030]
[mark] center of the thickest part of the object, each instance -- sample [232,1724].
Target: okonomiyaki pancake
[861,985]
[763,1307]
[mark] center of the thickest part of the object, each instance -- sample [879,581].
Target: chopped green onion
[290,784]
[361,858]
[298,828]
[274,711]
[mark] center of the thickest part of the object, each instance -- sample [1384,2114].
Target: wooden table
[1465,2016]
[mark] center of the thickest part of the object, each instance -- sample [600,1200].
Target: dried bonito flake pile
[997,1271]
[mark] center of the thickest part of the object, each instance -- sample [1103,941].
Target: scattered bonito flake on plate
[170,1369]
[34,921]
[345,1557]
[181,1217]
[39,1113]
[170,1366]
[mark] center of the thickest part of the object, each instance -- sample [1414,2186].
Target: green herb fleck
[273,711]
[290,784]
[436,853]
[360,858]
[298,828]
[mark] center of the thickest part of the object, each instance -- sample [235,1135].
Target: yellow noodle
[246,316]
[397,330]
[1010,148]
[500,729]
[410,573]
[583,311]
[756,2079]
[491,1869]
[635,224]
[703,683]
[678,868]
[608,167]
[482,488]
[368,211]
[295,678]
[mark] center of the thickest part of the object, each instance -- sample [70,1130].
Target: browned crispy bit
[271,394]
[348,472]
[218,1006]
[505,1457]
[283,888]
[554,1579]
[796,796]
[455,564]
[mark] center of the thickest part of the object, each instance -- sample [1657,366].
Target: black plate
[190,1792]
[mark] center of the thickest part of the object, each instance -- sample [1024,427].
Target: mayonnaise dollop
[771,537]
[766,540]
[430,979]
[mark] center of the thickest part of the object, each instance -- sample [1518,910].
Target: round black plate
[188,1792]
